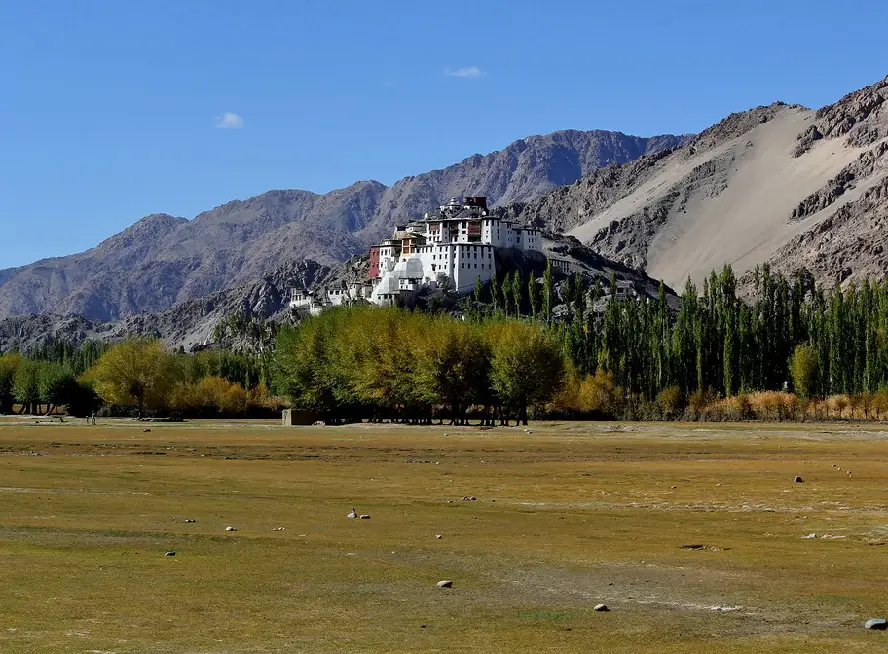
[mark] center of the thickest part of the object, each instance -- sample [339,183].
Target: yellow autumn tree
[137,373]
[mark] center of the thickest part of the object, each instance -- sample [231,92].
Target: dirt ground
[696,536]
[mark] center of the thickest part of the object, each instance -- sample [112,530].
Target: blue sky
[113,110]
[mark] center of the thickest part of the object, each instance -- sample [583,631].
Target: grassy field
[692,534]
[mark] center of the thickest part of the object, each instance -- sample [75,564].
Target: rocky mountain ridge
[782,184]
[162,261]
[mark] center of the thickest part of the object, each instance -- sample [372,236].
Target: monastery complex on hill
[455,245]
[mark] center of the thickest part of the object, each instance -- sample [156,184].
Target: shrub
[670,401]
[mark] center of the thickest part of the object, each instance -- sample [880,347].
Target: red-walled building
[374,262]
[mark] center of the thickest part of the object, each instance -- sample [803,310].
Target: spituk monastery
[455,245]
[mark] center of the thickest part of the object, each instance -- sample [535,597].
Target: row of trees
[790,336]
[368,362]
[41,386]
[137,374]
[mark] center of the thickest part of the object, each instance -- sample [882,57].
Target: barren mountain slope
[739,193]
[162,261]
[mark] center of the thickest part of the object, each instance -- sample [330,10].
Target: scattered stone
[146,430]
[673,487]
[876,623]
[364,516]
[318,423]
[799,480]
[277,528]
[229,528]
[718,484]
[439,536]
[353,514]
[170,554]
[446,434]
[190,520]
[445,584]
[810,536]
[601,607]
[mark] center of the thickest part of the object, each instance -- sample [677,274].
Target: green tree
[517,290]
[533,295]
[548,290]
[527,367]
[26,386]
[9,364]
[803,368]
[495,293]
[55,385]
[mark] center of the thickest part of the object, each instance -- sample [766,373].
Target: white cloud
[229,120]
[466,72]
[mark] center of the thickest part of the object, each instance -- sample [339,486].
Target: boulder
[601,607]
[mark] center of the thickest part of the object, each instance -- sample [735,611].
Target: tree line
[392,364]
[790,336]
[138,375]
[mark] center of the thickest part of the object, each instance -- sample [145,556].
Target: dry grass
[566,517]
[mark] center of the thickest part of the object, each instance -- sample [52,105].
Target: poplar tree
[533,294]
[548,289]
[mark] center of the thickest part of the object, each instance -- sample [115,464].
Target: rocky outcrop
[860,115]
[867,163]
[851,244]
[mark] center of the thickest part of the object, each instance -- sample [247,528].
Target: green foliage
[9,364]
[26,385]
[56,385]
[803,368]
[548,291]
[527,367]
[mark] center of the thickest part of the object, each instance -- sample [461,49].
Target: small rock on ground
[190,520]
[364,516]
[799,480]
[230,529]
[445,584]
[876,623]
[601,607]
[170,554]
[439,536]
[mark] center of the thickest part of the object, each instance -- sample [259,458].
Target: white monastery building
[458,242]
[456,245]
